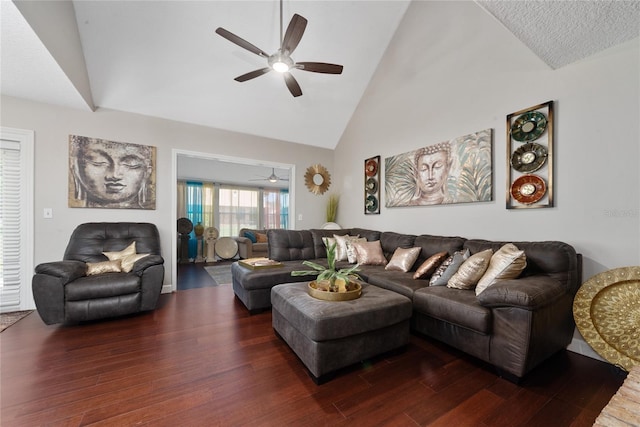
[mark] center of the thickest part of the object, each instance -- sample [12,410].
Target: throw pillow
[127,262]
[403,259]
[341,246]
[251,236]
[370,253]
[471,271]
[507,263]
[429,266]
[114,256]
[261,238]
[94,268]
[352,256]
[448,268]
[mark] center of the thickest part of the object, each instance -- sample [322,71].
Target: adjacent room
[286,212]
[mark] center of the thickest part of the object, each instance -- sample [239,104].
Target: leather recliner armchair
[64,293]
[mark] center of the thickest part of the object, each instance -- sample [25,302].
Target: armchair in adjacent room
[252,243]
[108,270]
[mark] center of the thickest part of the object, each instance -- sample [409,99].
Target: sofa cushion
[341,245]
[102,286]
[403,259]
[448,268]
[431,245]
[471,271]
[390,241]
[507,263]
[288,245]
[457,306]
[396,281]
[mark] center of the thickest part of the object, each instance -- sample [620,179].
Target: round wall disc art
[529,157]
[371,167]
[528,189]
[371,186]
[529,126]
[371,203]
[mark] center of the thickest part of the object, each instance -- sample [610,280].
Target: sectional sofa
[514,324]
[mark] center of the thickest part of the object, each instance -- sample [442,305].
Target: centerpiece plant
[330,279]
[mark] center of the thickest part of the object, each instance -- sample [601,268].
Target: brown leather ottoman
[328,336]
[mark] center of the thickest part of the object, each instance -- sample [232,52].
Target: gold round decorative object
[335,296]
[607,313]
[317,179]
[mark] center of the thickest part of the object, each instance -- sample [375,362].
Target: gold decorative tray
[259,263]
[334,296]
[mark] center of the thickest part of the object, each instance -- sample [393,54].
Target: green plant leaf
[304,273]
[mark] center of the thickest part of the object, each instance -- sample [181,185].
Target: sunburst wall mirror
[317,179]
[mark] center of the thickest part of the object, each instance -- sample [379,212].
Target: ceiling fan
[281,60]
[271,178]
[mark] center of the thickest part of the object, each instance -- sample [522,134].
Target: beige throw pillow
[341,246]
[127,263]
[430,265]
[507,263]
[129,250]
[403,259]
[370,253]
[352,256]
[471,271]
[94,268]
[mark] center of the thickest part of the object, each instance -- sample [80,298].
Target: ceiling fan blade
[294,33]
[320,67]
[252,75]
[292,84]
[241,42]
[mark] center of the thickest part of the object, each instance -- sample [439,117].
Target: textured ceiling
[163,59]
[562,32]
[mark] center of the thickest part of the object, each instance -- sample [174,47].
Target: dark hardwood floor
[201,360]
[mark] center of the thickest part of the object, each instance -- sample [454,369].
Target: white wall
[52,126]
[452,69]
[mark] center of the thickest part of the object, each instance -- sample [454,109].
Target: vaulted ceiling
[163,58]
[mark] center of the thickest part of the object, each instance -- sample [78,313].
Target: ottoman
[329,335]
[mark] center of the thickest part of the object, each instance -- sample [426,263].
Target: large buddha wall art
[455,171]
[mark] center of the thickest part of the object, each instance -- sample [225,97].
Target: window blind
[10,226]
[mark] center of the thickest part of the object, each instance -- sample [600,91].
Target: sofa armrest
[67,271]
[529,293]
[146,262]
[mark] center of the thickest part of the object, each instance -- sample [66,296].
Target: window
[238,208]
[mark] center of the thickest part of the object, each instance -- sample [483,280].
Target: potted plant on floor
[332,284]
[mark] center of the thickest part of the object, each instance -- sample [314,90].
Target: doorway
[229,170]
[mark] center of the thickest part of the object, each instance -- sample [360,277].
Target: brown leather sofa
[64,293]
[247,248]
[513,325]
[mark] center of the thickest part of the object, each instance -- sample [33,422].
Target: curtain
[238,209]
[208,204]
[181,201]
[275,208]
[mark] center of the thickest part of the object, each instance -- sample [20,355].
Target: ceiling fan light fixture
[280,62]
[280,67]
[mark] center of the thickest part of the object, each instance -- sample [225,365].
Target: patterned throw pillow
[261,238]
[471,271]
[352,255]
[507,263]
[341,245]
[403,259]
[448,268]
[427,267]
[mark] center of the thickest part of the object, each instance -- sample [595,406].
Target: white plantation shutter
[16,219]
[10,224]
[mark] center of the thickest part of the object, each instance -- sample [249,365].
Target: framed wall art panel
[530,157]
[372,186]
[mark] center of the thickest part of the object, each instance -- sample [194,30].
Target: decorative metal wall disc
[528,189]
[529,126]
[371,185]
[371,167]
[317,179]
[371,203]
[529,157]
